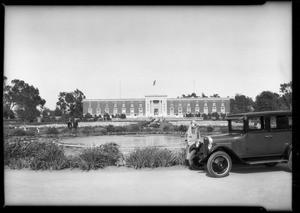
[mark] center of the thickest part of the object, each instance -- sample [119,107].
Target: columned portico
[156,105]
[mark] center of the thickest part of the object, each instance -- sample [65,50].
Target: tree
[267,101]
[215,96]
[57,112]
[286,97]
[203,95]
[23,99]
[71,103]
[46,112]
[241,104]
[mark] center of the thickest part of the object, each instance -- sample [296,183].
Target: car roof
[241,115]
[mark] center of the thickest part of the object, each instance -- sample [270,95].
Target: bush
[123,116]
[86,130]
[110,128]
[34,155]
[182,128]
[210,129]
[134,128]
[49,156]
[52,130]
[150,157]
[99,157]
[21,132]
[120,129]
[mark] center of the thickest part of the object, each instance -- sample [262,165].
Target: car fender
[226,149]
[287,151]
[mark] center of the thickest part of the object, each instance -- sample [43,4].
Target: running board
[266,161]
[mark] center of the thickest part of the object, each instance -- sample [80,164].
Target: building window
[90,110]
[115,111]
[131,105]
[123,105]
[223,109]
[107,110]
[98,111]
[141,105]
[197,109]
[140,111]
[115,105]
[171,111]
[131,111]
[214,109]
[188,110]
[179,110]
[205,110]
[205,104]
[214,104]
[124,110]
[222,104]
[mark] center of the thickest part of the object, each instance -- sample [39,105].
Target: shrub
[99,157]
[123,116]
[34,155]
[86,130]
[182,128]
[134,128]
[150,157]
[21,132]
[210,129]
[120,129]
[49,156]
[110,128]
[51,130]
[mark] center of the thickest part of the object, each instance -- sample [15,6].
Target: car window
[237,124]
[256,123]
[278,122]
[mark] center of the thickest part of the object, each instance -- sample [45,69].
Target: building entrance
[155,111]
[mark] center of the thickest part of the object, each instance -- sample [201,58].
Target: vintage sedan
[253,138]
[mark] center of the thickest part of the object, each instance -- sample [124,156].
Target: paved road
[246,186]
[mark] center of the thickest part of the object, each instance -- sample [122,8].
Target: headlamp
[210,141]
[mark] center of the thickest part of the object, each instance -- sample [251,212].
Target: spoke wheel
[193,161]
[219,164]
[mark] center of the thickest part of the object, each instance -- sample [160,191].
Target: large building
[156,105]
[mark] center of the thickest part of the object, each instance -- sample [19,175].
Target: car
[253,138]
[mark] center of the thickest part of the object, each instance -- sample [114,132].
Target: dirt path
[246,186]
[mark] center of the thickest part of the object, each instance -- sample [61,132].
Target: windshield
[236,125]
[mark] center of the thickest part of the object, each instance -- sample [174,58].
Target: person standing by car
[69,124]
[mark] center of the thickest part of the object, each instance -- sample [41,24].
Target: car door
[256,141]
[280,135]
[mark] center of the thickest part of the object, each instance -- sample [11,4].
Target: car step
[266,161]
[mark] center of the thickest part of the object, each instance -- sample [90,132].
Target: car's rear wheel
[219,164]
[193,161]
[271,164]
[290,163]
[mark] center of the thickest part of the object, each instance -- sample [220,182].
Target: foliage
[120,129]
[150,157]
[21,132]
[110,128]
[99,157]
[71,102]
[182,128]
[57,112]
[23,99]
[267,101]
[241,104]
[287,95]
[193,95]
[123,116]
[51,130]
[106,116]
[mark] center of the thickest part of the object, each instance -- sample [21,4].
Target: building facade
[156,105]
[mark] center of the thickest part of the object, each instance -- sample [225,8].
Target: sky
[118,51]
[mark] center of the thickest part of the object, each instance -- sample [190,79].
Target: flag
[154,82]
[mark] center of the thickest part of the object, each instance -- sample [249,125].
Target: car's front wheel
[193,161]
[219,164]
[290,163]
